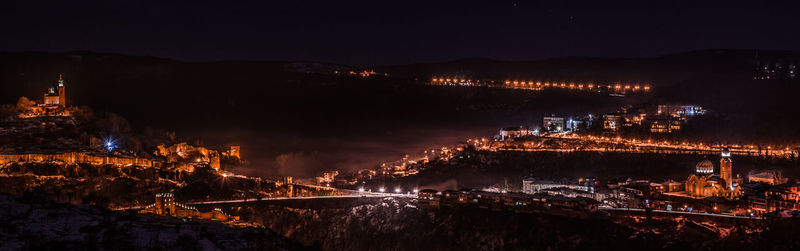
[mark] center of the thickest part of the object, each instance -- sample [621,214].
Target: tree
[24,103]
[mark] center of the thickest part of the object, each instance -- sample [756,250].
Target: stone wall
[77,157]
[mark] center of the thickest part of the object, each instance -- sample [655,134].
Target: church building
[54,103]
[707,183]
[56,95]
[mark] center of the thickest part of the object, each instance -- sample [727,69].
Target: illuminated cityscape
[437,125]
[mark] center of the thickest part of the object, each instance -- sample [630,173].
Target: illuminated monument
[54,103]
[56,95]
[706,183]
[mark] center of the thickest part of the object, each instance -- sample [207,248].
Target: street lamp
[109,144]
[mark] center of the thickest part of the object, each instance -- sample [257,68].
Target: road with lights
[572,142]
[677,213]
[248,200]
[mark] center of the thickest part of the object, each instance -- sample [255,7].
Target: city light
[110,145]
[539,85]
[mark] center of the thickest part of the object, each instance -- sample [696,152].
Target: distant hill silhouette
[660,71]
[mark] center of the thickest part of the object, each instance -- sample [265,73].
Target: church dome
[705,167]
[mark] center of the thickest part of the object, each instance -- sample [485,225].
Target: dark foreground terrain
[28,223]
[399,224]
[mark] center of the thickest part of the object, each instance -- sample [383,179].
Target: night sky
[394,32]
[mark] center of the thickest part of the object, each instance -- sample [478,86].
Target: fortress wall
[76,157]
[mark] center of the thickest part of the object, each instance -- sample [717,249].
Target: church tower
[62,97]
[725,169]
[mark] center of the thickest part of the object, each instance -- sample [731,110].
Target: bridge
[364,195]
[249,200]
[410,195]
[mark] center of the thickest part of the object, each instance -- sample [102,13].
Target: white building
[513,132]
[554,124]
[532,186]
[612,122]
[680,110]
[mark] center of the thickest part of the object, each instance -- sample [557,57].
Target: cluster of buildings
[518,202]
[620,194]
[761,192]
[183,156]
[180,157]
[532,185]
[777,69]
[174,161]
[709,189]
[665,119]
[515,132]
[558,124]
[364,73]
[327,178]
